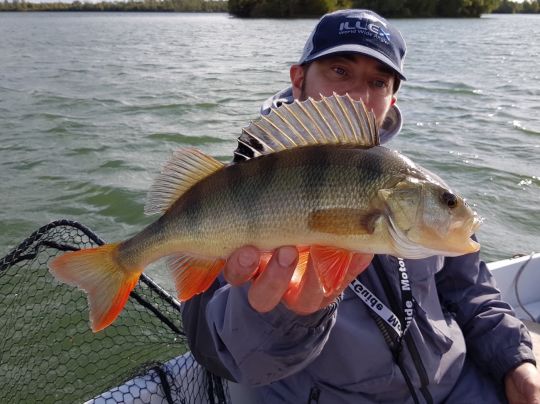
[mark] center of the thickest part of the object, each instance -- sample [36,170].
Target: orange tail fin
[98,273]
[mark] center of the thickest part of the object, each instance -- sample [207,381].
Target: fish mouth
[474,223]
[469,228]
[473,246]
[410,249]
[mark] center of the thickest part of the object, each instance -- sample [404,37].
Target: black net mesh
[48,353]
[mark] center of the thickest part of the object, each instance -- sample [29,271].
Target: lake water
[92,104]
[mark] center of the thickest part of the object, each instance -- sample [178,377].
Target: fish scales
[253,201]
[322,184]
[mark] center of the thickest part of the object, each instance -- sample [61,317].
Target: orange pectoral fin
[193,275]
[97,272]
[331,265]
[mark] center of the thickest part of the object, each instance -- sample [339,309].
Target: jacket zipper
[395,346]
[420,369]
[419,366]
[314,395]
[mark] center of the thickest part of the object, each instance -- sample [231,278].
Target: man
[461,344]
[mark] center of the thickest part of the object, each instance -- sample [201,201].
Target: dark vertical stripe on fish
[371,165]
[265,173]
[192,208]
[315,173]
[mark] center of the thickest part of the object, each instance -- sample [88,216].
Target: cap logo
[365,26]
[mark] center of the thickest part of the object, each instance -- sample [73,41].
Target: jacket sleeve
[198,333]
[231,339]
[496,339]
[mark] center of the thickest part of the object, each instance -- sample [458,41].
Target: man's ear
[297,80]
[394,99]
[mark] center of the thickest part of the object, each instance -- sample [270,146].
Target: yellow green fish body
[320,179]
[324,195]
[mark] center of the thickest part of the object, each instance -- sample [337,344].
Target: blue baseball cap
[356,31]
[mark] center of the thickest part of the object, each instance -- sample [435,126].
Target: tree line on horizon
[511,7]
[387,8]
[204,6]
[290,8]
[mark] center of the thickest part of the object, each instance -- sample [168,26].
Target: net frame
[49,354]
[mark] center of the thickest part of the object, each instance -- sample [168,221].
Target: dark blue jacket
[462,340]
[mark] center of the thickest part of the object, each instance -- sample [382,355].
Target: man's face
[362,77]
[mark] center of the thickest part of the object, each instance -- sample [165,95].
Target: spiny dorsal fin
[186,167]
[336,120]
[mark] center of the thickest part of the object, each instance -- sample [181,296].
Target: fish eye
[449,199]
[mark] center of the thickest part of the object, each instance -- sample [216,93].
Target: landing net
[48,353]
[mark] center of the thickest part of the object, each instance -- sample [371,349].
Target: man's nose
[360,92]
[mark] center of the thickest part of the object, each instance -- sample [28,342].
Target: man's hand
[523,385]
[273,284]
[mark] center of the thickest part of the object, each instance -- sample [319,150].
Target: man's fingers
[273,282]
[306,298]
[241,265]
[267,290]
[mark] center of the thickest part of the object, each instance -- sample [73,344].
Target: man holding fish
[359,279]
[386,329]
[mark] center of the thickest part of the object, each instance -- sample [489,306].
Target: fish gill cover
[48,354]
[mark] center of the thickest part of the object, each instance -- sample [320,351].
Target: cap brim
[364,50]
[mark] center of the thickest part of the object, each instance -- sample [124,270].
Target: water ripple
[184,139]
[92,104]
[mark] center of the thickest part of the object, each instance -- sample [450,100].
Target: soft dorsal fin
[186,167]
[336,120]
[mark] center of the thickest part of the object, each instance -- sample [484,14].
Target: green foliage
[387,8]
[241,8]
[292,8]
[465,8]
[510,7]
[531,7]
[285,8]
[419,8]
[272,9]
[131,5]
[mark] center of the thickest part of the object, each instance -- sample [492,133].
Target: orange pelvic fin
[263,262]
[331,265]
[300,270]
[98,273]
[193,275]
